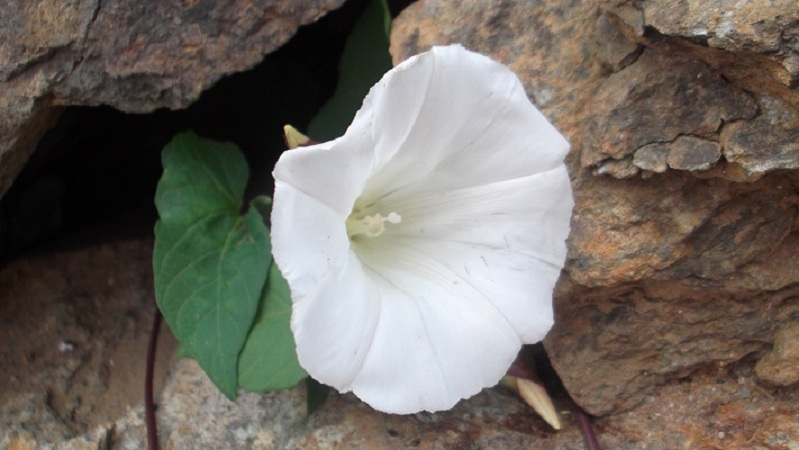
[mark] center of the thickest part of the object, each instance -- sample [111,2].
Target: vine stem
[149,407]
[589,438]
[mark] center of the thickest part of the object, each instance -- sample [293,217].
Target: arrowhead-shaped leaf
[210,261]
[269,359]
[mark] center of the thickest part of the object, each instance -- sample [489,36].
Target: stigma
[370,225]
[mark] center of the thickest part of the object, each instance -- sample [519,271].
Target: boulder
[79,320]
[136,57]
[684,128]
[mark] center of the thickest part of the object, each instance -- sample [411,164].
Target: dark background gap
[94,174]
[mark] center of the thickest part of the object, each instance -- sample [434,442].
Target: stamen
[370,225]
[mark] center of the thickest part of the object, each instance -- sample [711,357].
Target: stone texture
[652,157]
[753,45]
[658,99]
[716,406]
[781,365]
[684,243]
[672,276]
[134,56]
[768,143]
[719,407]
[193,414]
[74,327]
[692,153]
[757,26]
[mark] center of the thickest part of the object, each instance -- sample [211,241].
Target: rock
[685,233]
[781,366]
[658,99]
[74,327]
[716,406]
[768,143]
[195,414]
[26,418]
[134,57]
[692,153]
[652,157]
[757,26]
[646,335]
[617,168]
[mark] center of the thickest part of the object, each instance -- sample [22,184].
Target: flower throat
[369,225]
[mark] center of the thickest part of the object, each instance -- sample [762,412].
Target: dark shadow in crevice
[94,174]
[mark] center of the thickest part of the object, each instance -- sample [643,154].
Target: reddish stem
[589,438]
[149,407]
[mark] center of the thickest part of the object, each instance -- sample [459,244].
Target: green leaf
[210,261]
[269,359]
[363,62]
[201,178]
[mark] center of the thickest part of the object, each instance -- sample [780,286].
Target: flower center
[369,225]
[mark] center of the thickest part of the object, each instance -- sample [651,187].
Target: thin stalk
[589,438]
[149,408]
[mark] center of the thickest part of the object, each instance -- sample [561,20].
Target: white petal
[460,117]
[333,314]
[332,173]
[470,179]
[437,340]
[506,239]
[334,325]
[315,188]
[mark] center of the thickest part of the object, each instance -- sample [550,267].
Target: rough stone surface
[74,327]
[781,365]
[717,406]
[684,243]
[658,99]
[134,56]
[768,143]
[652,157]
[757,26]
[753,45]
[677,278]
[692,153]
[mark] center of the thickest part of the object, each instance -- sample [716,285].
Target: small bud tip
[294,138]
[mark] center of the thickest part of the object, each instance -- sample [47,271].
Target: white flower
[422,246]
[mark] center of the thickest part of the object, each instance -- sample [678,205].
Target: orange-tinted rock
[781,366]
[685,235]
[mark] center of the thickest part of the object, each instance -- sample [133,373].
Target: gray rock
[692,153]
[134,56]
[73,339]
[757,26]
[707,409]
[194,414]
[652,157]
[657,99]
[617,168]
[108,284]
[768,143]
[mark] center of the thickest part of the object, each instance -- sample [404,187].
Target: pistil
[370,225]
